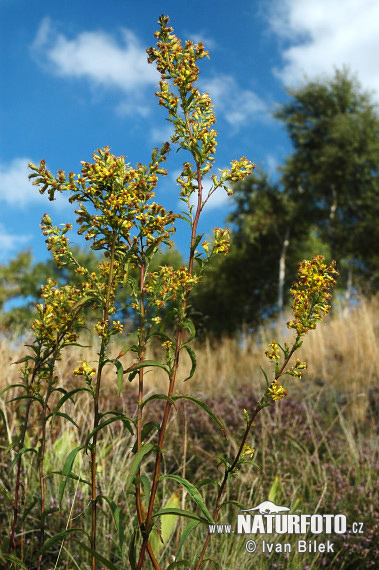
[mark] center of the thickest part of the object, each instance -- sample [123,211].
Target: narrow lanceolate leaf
[116,516]
[194,494]
[158,397]
[147,428]
[27,397]
[265,375]
[13,386]
[133,550]
[62,415]
[136,462]
[125,420]
[179,564]
[13,558]
[145,364]
[192,356]
[67,468]
[206,409]
[191,327]
[180,513]
[68,396]
[120,375]
[21,452]
[185,534]
[58,537]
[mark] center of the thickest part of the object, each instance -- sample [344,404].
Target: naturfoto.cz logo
[275,519]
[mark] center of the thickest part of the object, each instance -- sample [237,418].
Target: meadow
[315,451]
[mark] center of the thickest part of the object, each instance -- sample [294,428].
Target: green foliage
[333,170]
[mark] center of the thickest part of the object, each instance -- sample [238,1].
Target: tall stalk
[172,378]
[96,419]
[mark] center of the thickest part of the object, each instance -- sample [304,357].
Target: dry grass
[319,441]
[342,355]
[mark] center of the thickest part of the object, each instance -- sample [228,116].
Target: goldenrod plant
[118,215]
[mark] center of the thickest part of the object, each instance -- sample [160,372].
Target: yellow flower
[247,451]
[277,391]
[84,370]
[272,351]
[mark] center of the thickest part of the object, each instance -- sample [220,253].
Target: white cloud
[97,57]
[10,242]
[15,187]
[326,34]
[238,106]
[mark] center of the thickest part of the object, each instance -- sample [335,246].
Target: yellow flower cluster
[272,351]
[169,283]
[247,451]
[119,195]
[59,315]
[85,370]
[311,293]
[222,241]
[297,368]
[56,240]
[277,391]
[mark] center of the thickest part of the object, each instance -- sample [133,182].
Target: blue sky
[74,77]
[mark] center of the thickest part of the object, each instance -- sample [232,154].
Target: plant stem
[231,468]
[42,457]
[96,418]
[170,392]
[18,482]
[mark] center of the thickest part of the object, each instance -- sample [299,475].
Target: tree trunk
[282,271]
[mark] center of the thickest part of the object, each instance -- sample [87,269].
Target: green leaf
[274,491]
[180,513]
[194,494]
[28,510]
[133,550]
[207,482]
[265,375]
[206,409]
[25,359]
[158,539]
[192,356]
[27,397]
[147,428]
[117,518]
[58,537]
[21,452]
[187,531]
[185,563]
[13,558]
[146,363]
[68,396]
[158,397]
[67,468]
[197,241]
[191,327]
[145,484]
[63,415]
[71,476]
[13,386]
[120,375]
[125,420]
[104,561]
[136,462]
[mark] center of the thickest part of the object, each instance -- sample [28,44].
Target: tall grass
[316,451]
